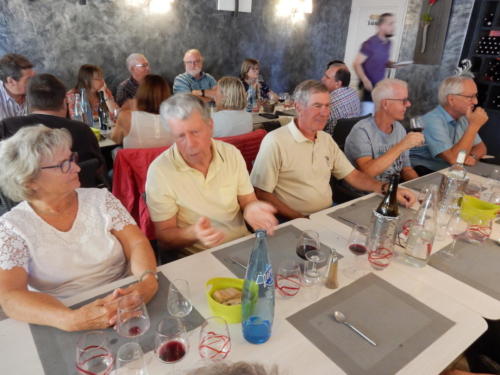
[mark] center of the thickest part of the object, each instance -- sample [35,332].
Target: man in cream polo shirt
[198,191]
[294,164]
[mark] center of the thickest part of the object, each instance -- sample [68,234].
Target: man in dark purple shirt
[373,57]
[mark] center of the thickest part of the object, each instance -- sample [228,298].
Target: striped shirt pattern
[126,90]
[185,82]
[8,106]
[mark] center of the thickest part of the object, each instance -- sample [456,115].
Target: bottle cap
[461,157]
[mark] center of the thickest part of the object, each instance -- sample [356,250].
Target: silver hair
[21,154]
[132,60]
[238,368]
[181,106]
[385,90]
[451,85]
[305,89]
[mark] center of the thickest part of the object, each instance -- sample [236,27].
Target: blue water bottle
[258,294]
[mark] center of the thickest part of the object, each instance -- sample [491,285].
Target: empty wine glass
[178,300]
[130,360]
[381,252]
[314,270]
[93,356]
[171,344]
[288,278]
[215,342]
[132,316]
[357,243]
[308,241]
[456,227]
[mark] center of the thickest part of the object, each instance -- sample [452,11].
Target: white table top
[107,142]
[470,297]
[287,348]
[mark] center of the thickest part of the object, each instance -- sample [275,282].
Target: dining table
[418,326]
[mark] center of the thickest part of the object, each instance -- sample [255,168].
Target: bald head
[193,62]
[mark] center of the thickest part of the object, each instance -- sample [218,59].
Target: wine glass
[314,271]
[171,343]
[130,360]
[215,341]
[178,300]
[288,278]
[132,316]
[357,245]
[456,227]
[416,125]
[308,241]
[93,356]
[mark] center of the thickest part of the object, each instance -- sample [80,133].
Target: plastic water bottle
[258,294]
[77,109]
[88,115]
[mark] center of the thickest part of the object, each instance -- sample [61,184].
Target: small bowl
[232,314]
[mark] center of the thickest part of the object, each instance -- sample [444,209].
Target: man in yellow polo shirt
[294,164]
[198,191]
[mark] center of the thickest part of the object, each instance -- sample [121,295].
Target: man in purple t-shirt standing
[373,57]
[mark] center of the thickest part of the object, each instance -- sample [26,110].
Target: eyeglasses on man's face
[469,97]
[65,165]
[143,65]
[404,101]
[193,62]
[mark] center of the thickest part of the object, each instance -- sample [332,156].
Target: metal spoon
[340,318]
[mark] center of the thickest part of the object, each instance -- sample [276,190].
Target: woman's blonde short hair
[233,93]
[21,155]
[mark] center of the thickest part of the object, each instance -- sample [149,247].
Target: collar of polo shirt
[296,133]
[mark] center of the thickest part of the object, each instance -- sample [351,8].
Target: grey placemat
[421,182]
[56,348]
[282,245]
[360,212]
[475,265]
[482,169]
[401,326]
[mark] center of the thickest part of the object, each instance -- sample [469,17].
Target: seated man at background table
[47,98]
[450,127]
[15,72]
[198,191]
[195,80]
[379,145]
[295,162]
[138,66]
[344,100]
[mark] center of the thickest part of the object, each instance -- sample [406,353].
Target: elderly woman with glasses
[62,240]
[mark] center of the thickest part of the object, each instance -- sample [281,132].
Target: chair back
[89,172]
[6,204]
[130,169]
[343,128]
[248,144]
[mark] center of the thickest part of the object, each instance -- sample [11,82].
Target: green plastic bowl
[232,314]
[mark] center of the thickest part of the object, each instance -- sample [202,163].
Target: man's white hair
[181,106]
[385,89]
[133,58]
[451,85]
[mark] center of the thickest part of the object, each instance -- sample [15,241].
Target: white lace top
[66,263]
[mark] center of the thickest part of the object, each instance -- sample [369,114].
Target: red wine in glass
[303,249]
[171,351]
[358,249]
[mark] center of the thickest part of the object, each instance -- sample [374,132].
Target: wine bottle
[389,205]
[103,113]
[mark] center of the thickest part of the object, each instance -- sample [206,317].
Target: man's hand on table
[406,197]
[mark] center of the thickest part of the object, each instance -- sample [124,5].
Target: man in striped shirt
[15,72]
[195,80]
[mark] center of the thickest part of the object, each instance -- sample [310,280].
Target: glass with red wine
[132,316]
[357,244]
[308,241]
[171,342]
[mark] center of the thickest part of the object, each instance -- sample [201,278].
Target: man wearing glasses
[379,145]
[195,80]
[452,126]
[138,66]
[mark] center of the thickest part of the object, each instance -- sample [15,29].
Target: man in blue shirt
[195,80]
[379,145]
[451,127]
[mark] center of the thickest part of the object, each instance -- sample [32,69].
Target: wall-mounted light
[151,6]
[294,9]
